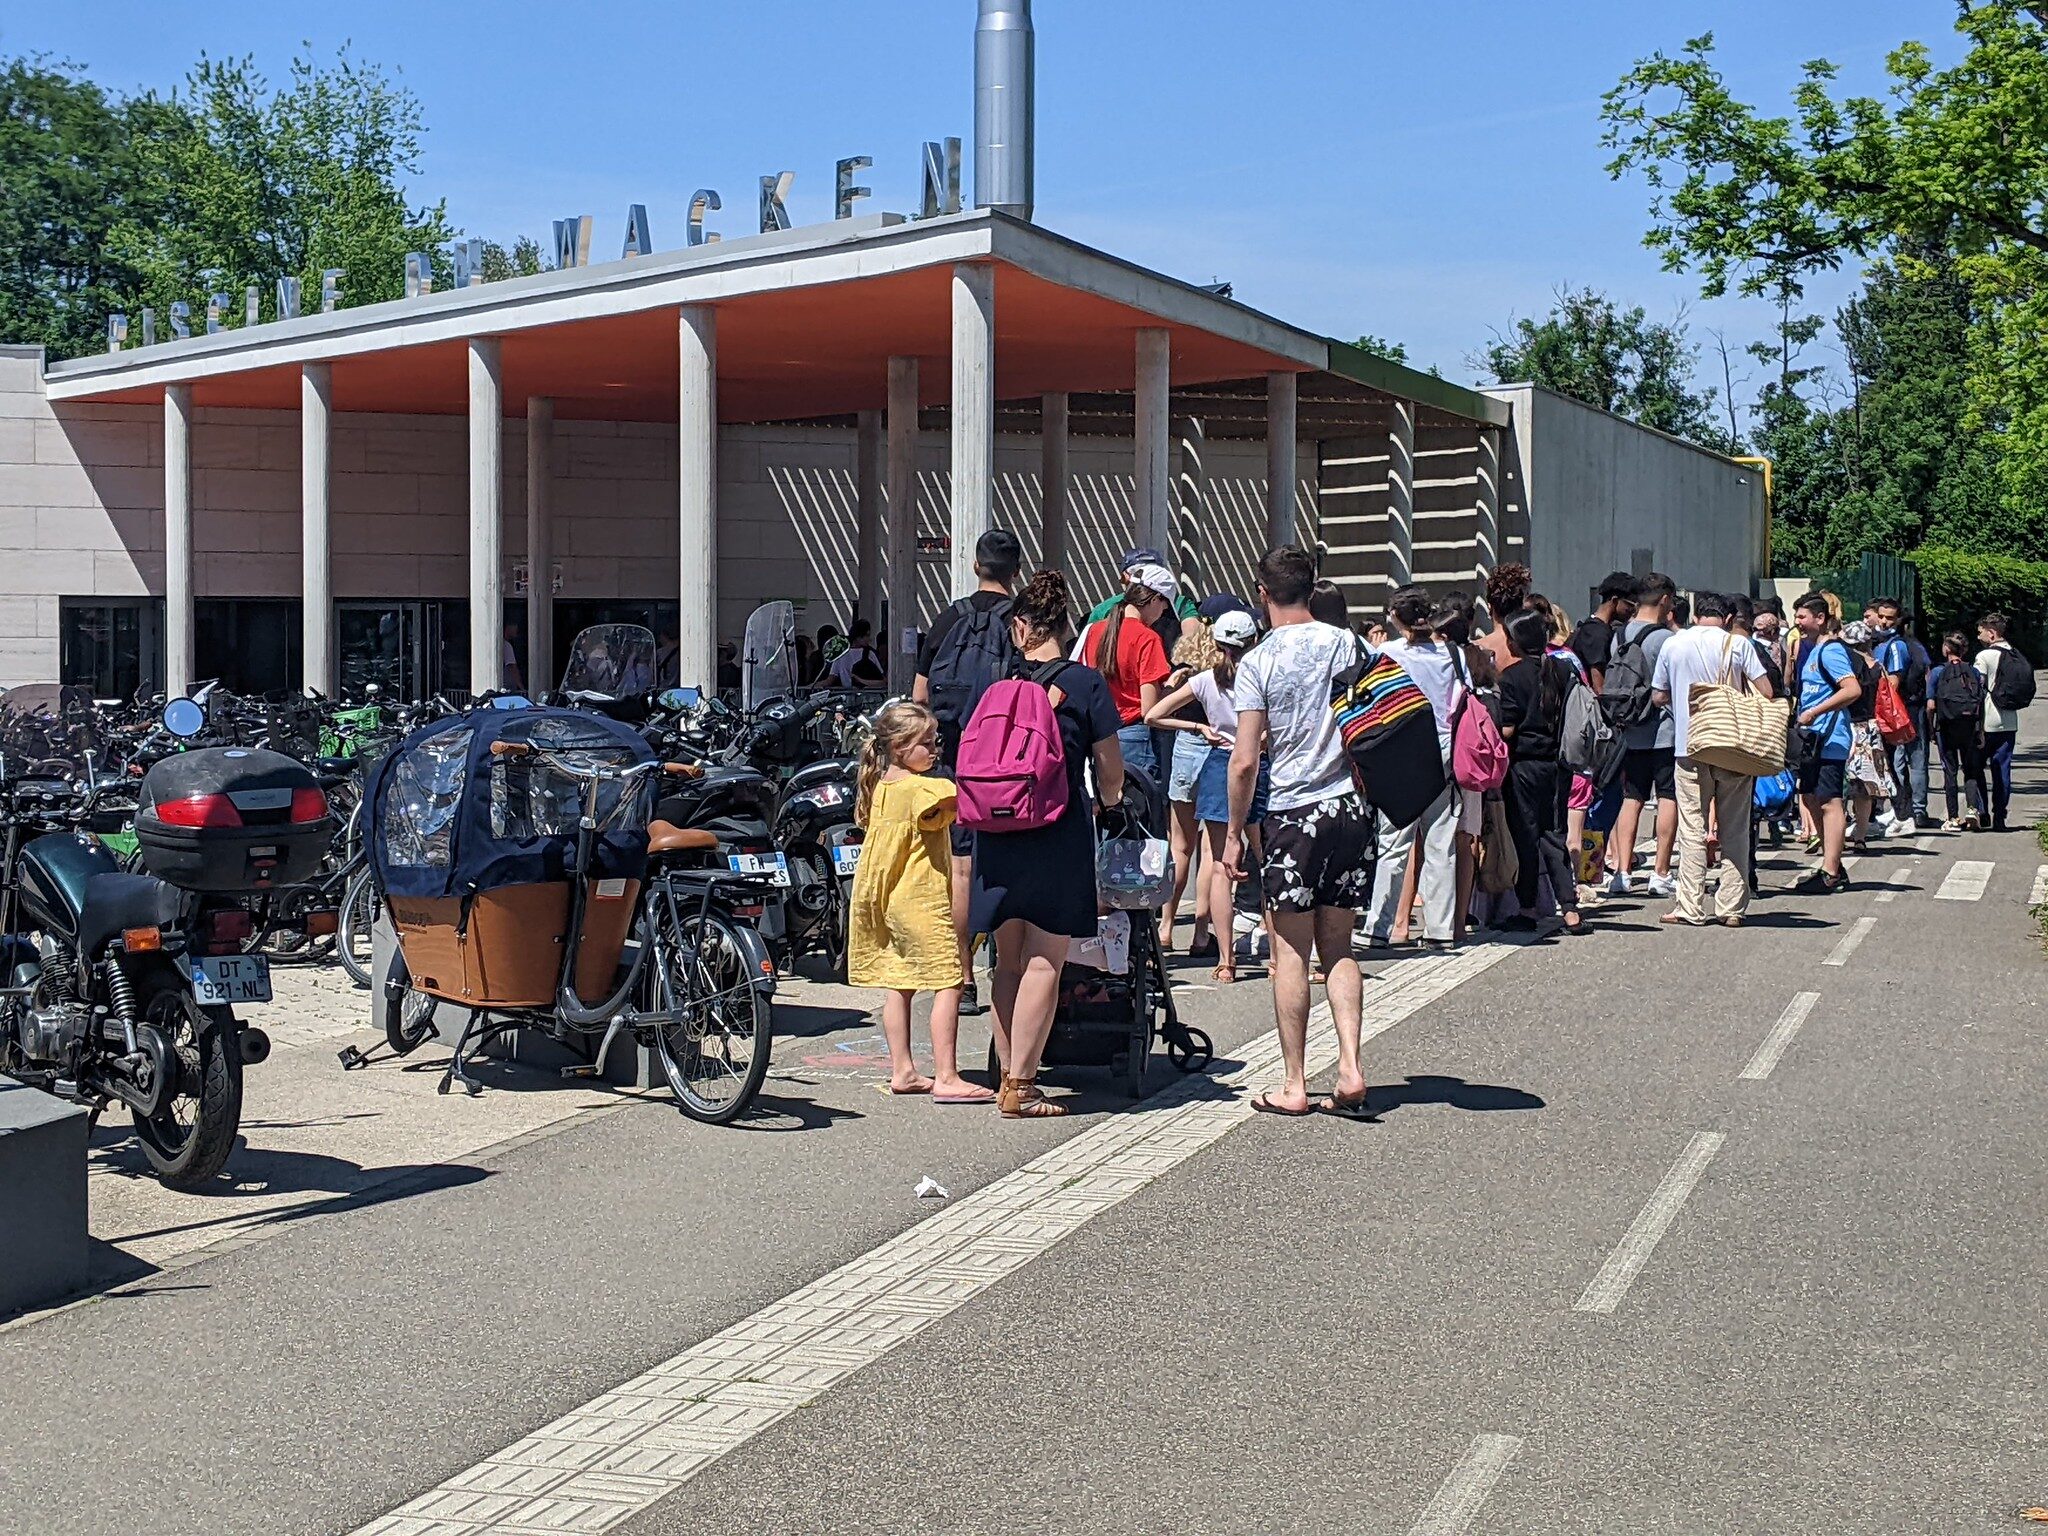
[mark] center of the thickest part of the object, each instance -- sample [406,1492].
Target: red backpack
[1894,720]
[1011,770]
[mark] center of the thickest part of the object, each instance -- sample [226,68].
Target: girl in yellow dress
[902,919]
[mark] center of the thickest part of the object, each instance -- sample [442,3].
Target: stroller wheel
[1193,1052]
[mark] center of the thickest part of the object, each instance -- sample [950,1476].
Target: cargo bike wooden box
[511,851]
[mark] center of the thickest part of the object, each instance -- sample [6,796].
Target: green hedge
[1956,588]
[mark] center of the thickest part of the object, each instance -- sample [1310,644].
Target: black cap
[1213,608]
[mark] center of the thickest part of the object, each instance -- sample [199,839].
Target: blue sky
[1419,172]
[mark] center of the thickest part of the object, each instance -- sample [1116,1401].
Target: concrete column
[486,517]
[1052,481]
[540,542]
[179,627]
[1401,495]
[902,432]
[1190,502]
[316,525]
[1153,432]
[972,424]
[867,482]
[1280,451]
[697,503]
[1488,499]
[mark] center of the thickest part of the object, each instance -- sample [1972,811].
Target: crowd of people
[1556,739]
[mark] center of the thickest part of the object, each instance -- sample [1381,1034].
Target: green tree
[523,260]
[67,178]
[255,185]
[1379,346]
[1617,359]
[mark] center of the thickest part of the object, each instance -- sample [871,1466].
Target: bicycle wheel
[358,915]
[715,1054]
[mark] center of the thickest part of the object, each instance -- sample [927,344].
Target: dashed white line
[602,1462]
[1781,1034]
[1966,880]
[1647,1230]
[1858,932]
[1894,885]
[1458,1499]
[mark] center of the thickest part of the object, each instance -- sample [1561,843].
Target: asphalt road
[1822,1283]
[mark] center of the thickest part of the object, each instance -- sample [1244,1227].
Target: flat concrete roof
[807,320]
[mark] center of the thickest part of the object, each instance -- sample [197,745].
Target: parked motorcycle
[121,987]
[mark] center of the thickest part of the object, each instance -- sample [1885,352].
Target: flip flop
[909,1093]
[1346,1109]
[1264,1105]
[964,1098]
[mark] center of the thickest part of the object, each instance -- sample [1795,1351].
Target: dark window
[114,648]
[254,645]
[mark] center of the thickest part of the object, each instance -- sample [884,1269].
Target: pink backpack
[1479,754]
[1011,770]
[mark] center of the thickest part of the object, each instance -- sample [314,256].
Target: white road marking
[602,1462]
[1924,845]
[1858,932]
[2040,892]
[1781,1034]
[1966,880]
[1647,1230]
[1471,1480]
[1894,885]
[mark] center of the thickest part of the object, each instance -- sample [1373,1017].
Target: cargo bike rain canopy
[450,819]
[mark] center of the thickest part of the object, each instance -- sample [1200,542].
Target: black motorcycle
[120,986]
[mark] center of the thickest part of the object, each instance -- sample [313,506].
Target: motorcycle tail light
[199,811]
[752,911]
[140,940]
[229,929]
[320,924]
[309,804]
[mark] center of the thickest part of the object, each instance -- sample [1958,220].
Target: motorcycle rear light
[754,911]
[199,811]
[140,940]
[309,804]
[231,927]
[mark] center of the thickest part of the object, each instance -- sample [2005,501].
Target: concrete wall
[1604,494]
[81,510]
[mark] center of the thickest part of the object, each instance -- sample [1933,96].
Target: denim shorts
[1212,790]
[1189,753]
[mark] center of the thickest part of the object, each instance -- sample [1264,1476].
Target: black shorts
[1821,778]
[1646,768]
[1319,855]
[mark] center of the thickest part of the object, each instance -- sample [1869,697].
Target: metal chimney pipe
[1004,109]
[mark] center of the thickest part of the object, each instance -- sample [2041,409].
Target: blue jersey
[1827,666]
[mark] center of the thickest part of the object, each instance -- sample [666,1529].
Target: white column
[973,418]
[1153,433]
[486,517]
[316,526]
[902,431]
[178,622]
[1052,481]
[867,484]
[1401,495]
[1488,500]
[697,504]
[1281,396]
[540,542]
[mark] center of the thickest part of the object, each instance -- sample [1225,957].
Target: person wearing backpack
[1648,765]
[2009,688]
[1431,840]
[1029,739]
[1828,687]
[1955,719]
[1903,660]
[966,651]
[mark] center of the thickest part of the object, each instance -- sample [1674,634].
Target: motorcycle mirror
[184,718]
[680,698]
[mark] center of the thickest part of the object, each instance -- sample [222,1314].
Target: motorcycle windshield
[48,730]
[768,655]
[610,661]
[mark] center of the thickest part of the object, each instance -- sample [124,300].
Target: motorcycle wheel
[188,1139]
[352,939]
[716,1056]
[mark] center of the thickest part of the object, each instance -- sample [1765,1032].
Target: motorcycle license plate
[773,865]
[230,979]
[846,858]
[828,794]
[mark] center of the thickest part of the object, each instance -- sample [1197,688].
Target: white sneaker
[1898,826]
[1617,884]
[1663,885]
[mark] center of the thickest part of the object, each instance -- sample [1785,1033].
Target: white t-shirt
[854,655]
[1219,704]
[1995,719]
[1702,654]
[1430,665]
[1288,675]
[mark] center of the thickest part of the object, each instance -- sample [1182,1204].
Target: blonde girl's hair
[897,728]
[1198,651]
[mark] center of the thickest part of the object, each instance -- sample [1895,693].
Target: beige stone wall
[81,510]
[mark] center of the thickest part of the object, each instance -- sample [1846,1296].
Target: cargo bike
[521,889]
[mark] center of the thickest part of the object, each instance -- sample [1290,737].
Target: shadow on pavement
[1454,1091]
[788,1112]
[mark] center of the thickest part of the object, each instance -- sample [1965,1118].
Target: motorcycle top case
[231,819]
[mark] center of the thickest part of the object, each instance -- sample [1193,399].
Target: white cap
[1234,628]
[1158,578]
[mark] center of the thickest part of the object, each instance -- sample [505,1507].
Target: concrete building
[384,493]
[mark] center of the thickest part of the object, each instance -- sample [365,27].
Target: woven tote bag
[1735,729]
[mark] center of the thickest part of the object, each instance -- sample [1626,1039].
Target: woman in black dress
[1035,890]
[1532,693]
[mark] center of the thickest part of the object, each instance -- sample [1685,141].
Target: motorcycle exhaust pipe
[255,1045]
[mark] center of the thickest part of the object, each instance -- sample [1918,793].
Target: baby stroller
[1114,995]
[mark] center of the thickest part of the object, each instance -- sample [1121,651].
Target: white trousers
[1436,831]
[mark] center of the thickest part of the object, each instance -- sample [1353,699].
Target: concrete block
[21,617]
[278,448]
[130,573]
[245,490]
[21,371]
[18,439]
[215,531]
[46,485]
[42,1197]
[217,445]
[247,573]
[362,572]
[444,495]
[30,660]
[377,494]
[65,571]
[70,439]
[77,528]
[443,575]
[120,485]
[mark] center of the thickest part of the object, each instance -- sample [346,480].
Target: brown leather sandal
[1022,1099]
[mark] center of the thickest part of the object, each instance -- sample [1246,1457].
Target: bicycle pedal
[352,1058]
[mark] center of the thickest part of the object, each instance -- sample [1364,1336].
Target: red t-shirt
[1140,659]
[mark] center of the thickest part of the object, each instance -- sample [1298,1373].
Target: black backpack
[2012,685]
[1959,695]
[1913,683]
[976,653]
[1625,688]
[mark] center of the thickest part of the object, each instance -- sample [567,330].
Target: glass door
[384,644]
